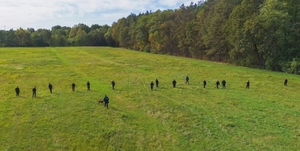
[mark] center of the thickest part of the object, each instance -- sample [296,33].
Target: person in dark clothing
[88,85]
[113,84]
[248,85]
[204,84]
[224,84]
[187,80]
[34,92]
[156,83]
[151,85]
[217,84]
[106,101]
[50,87]
[17,89]
[73,86]
[285,82]
[174,83]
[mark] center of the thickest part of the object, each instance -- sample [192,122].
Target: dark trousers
[106,104]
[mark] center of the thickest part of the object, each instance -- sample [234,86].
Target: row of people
[223,82]
[105,100]
[174,82]
[73,85]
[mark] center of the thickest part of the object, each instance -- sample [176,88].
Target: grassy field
[188,117]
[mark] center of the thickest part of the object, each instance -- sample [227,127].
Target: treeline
[78,35]
[254,33]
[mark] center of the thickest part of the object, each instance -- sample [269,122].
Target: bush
[292,66]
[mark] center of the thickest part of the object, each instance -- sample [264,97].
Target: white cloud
[47,13]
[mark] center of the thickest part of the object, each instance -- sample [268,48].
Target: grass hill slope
[188,117]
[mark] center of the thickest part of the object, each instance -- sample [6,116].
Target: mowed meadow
[188,117]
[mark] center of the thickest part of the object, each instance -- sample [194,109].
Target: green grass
[189,117]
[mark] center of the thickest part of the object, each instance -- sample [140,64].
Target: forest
[254,33]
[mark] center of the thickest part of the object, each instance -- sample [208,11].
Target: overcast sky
[47,13]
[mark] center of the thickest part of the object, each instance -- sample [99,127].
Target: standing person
[106,101]
[17,89]
[248,85]
[88,85]
[156,83]
[174,83]
[151,85]
[285,82]
[187,80]
[217,84]
[34,92]
[50,87]
[204,84]
[224,84]
[113,84]
[73,86]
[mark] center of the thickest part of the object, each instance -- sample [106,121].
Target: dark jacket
[106,99]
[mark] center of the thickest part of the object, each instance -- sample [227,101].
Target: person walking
[34,92]
[248,84]
[50,87]
[217,84]
[106,101]
[73,86]
[151,85]
[285,82]
[88,85]
[187,79]
[156,83]
[17,89]
[174,83]
[113,84]
[204,84]
[223,84]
